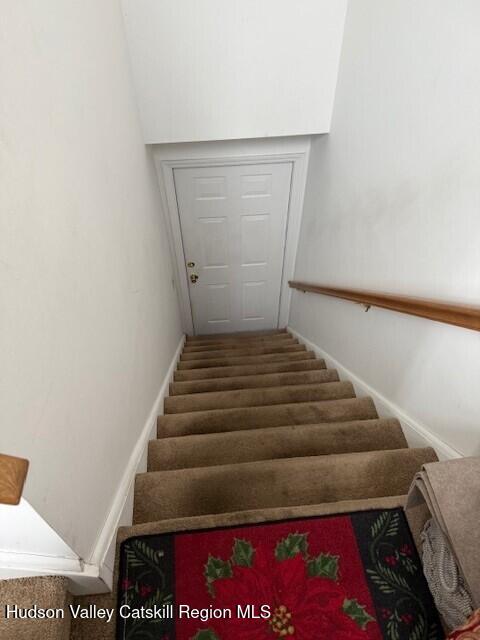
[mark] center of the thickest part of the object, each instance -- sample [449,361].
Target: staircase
[257,428]
[257,422]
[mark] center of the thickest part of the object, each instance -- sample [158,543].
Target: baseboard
[84,578]
[120,512]
[13,564]
[417,434]
[95,574]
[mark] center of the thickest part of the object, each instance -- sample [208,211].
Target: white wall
[392,204]
[30,537]
[215,70]
[89,321]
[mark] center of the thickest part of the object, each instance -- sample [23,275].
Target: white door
[233,223]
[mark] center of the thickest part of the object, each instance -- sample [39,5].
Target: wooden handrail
[13,472]
[460,315]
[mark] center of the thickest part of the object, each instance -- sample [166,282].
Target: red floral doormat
[346,577]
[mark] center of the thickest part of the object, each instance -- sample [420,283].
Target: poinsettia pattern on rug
[348,577]
[302,593]
[225,566]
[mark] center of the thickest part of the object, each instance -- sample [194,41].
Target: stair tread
[258,397]
[215,420]
[283,338]
[237,346]
[237,353]
[253,381]
[253,359]
[253,516]
[275,442]
[227,371]
[274,483]
[238,335]
[298,462]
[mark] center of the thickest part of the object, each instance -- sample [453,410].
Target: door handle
[193,278]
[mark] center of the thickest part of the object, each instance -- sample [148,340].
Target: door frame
[170,157]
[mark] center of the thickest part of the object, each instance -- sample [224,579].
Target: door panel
[233,223]
[254,240]
[213,242]
[254,294]
[256,185]
[218,302]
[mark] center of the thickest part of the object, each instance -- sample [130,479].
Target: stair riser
[237,353]
[246,344]
[276,483]
[276,443]
[253,382]
[259,417]
[209,373]
[231,361]
[259,397]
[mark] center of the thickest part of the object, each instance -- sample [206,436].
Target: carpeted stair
[257,429]
[271,443]
[265,484]
[264,439]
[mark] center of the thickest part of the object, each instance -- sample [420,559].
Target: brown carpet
[292,441]
[275,483]
[25,593]
[308,364]
[280,415]
[257,429]
[273,341]
[253,381]
[258,397]
[219,352]
[230,358]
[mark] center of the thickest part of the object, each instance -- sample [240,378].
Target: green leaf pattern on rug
[387,562]
[291,546]
[139,554]
[243,553]
[357,613]
[214,569]
[324,565]
[144,568]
